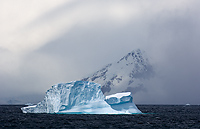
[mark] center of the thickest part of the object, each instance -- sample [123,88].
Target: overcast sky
[46,42]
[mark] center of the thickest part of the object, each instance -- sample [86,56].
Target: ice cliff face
[127,74]
[78,97]
[65,96]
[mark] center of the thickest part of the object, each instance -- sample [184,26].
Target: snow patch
[119,95]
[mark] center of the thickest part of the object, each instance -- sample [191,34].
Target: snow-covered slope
[127,74]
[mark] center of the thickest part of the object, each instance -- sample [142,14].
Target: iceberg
[82,97]
[122,102]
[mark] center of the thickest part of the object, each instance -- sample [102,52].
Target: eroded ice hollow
[81,97]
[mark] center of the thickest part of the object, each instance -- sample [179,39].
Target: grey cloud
[134,90]
[166,40]
[170,38]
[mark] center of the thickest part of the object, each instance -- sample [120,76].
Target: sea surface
[155,116]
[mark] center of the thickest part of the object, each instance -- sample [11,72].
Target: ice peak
[128,72]
[133,55]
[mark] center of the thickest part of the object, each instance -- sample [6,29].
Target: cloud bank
[46,42]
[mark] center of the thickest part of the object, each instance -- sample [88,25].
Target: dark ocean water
[155,116]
